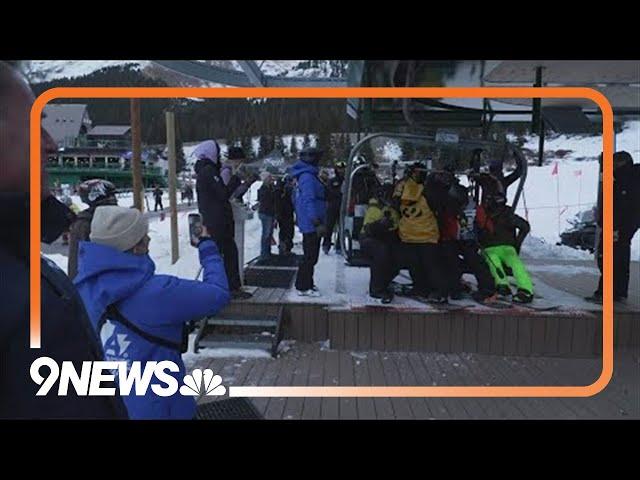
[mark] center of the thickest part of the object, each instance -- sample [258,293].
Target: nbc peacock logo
[202,382]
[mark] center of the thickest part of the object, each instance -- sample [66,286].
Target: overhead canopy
[567,72]
[250,75]
[619,80]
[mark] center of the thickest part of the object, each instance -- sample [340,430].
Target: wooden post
[136,162]
[173,202]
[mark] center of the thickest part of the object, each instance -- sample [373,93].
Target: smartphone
[195,228]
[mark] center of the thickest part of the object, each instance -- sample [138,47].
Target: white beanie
[118,227]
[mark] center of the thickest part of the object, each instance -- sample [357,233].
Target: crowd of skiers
[427,222]
[438,229]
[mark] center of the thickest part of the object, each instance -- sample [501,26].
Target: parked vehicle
[582,233]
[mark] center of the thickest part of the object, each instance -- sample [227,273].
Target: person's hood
[112,275]
[301,167]
[202,163]
[412,191]
[623,170]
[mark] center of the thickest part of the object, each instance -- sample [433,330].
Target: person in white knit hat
[138,314]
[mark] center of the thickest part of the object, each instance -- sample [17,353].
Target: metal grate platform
[292,260]
[269,277]
[228,409]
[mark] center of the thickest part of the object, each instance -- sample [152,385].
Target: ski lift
[353,206]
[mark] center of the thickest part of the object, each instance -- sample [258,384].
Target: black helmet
[235,153]
[459,195]
[97,191]
[311,155]
[496,202]
[622,159]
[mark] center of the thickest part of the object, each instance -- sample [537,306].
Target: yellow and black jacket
[380,222]
[418,224]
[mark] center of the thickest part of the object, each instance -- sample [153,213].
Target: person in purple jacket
[138,314]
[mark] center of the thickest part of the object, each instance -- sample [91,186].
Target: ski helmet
[97,191]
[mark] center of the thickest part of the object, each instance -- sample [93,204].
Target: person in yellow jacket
[378,240]
[419,234]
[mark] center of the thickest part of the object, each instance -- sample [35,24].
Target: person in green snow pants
[506,255]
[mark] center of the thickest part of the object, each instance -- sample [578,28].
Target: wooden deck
[309,364]
[382,328]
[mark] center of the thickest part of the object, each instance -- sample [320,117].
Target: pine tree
[307,141]
[408,151]
[278,144]
[293,147]
[348,146]
[247,147]
[367,152]
[323,142]
[180,162]
[263,146]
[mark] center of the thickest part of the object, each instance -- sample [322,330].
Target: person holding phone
[140,315]
[217,215]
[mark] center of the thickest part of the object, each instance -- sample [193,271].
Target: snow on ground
[553,200]
[564,269]
[588,147]
[539,249]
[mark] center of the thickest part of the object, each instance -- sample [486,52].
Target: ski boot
[437,299]
[309,293]
[504,292]
[456,295]
[595,298]
[522,296]
[385,297]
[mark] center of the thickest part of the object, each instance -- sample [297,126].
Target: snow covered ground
[552,200]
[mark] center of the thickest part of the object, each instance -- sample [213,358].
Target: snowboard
[445,307]
[537,305]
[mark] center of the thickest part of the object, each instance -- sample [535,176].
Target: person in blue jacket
[310,206]
[138,314]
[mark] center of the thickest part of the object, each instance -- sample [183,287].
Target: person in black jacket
[334,201]
[266,212]
[495,169]
[626,221]
[95,193]
[66,334]
[284,215]
[157,195]
[214,206]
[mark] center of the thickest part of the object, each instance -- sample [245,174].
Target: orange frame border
[361,92]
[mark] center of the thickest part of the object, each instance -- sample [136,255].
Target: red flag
[555,169]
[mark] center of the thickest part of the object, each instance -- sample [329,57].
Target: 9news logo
[130,377]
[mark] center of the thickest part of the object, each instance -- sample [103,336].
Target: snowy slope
[46,70]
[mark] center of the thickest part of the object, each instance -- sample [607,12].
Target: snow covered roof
[109,130]
[63,121]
